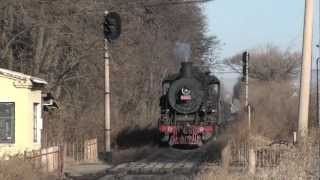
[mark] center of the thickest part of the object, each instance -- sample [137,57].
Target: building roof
[18,75]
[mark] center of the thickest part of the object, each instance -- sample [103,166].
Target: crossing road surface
[165,163]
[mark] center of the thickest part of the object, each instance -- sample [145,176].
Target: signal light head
[245,63]
[112,26]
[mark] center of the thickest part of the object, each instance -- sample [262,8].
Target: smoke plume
[183,51]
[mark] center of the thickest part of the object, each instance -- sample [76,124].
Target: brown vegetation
[269,63]
[297,162]
[275,109]
[273,93]
[19,169]
[273,88]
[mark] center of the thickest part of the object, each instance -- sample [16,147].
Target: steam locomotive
[190,107]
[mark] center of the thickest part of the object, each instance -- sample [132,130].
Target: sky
[246,24]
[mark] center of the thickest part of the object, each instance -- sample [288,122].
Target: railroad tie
[148,168]
[118,168]
[178,167]
[168,167]
[158,168]
[136,168]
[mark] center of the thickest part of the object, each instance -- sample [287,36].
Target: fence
[79,150]
[82,150]
[239,154]
[268,157]
[50,159]
[262,155]
[91,150]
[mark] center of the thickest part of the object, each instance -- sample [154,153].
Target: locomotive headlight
[203,109]
[185,91]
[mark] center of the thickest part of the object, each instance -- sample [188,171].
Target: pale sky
[246,24]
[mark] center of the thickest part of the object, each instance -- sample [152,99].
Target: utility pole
[306,71]
[318,120]
[112,30]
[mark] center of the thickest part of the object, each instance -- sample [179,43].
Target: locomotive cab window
[214,91]
[213,99]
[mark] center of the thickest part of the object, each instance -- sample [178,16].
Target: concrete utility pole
[318,120]
[317,63]
[306,71]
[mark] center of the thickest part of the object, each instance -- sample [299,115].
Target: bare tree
[273,91]
[269,63]
[62,41]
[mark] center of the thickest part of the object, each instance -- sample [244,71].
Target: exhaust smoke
[183,51]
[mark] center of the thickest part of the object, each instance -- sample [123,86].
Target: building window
[7,122]
[36,116]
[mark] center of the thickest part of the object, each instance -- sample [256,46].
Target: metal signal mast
[112,30]
[245,78]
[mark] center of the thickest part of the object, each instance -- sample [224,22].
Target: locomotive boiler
[190,107]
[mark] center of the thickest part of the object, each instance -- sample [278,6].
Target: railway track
[166,162]
[161,162]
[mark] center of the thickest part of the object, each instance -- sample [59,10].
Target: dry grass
[18,169]
[221,174]
[275,108]
[298,162]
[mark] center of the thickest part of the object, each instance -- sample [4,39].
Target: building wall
[12,90]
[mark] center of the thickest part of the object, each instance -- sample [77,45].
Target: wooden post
[61,160]
[252,161]
[86,150]
[226,154]
[73,150]
[65,147]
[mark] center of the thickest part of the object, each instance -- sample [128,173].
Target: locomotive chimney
[186,69]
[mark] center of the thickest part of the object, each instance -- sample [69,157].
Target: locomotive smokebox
[186,69]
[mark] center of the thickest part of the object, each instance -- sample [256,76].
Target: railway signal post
[112,30]
[245,78]
[245,69]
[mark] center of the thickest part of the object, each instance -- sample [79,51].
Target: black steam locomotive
[190,107]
